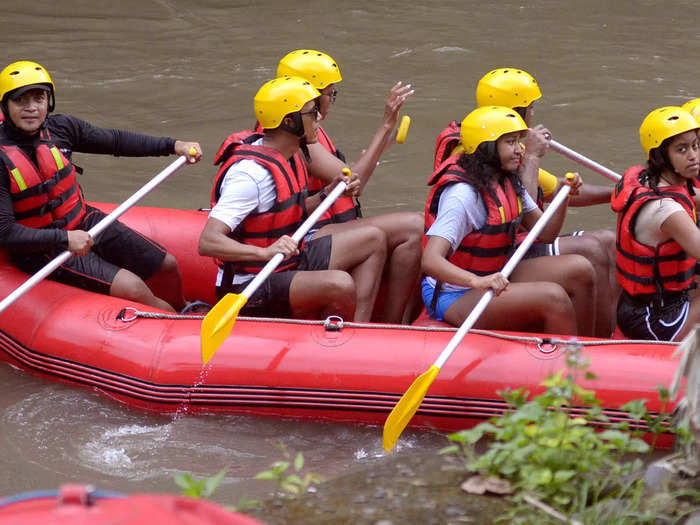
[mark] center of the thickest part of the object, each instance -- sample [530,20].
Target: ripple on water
[79,435]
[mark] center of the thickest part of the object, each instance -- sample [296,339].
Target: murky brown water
[190,69]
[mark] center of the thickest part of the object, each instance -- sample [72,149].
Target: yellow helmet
[316,67]
[487,124]
[663,123]
[508,86]
[693,107]
[279,97]
[27,75]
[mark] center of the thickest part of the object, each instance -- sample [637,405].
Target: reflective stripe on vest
[44,194]
[487,250]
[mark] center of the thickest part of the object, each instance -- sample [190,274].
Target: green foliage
[199,488]
[291,484]
[548,447]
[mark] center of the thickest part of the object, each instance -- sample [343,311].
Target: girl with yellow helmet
[403,230]
[515,88]
[658,241]
[472,216]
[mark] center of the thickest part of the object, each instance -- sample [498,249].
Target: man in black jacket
[42,211]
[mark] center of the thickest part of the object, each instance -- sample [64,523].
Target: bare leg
[525,307]
[404,234]
[573,273]
[361,251]
[597,252]
[318,294]
[607,240]
[167,282]
[130,286]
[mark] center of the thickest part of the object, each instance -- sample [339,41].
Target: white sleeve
[529,203]
[247,187]
[460,212]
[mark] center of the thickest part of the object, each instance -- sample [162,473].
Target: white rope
[130,314]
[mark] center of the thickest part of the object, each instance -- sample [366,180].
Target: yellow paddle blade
[217,324]
[407,406]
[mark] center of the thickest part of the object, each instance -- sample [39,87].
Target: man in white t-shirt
[260,199]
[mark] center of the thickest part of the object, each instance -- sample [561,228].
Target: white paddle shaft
[297,236]
[94,231]
[584,161]
[506,271]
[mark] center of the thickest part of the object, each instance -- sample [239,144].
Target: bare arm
[536,144]
[553,227]
[590,195]
[214,242]
[324,164]
[681,228]
[435,264]
[353,188]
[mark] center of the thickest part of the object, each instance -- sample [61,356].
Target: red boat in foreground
[323,370]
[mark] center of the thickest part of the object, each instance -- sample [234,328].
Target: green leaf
[212,483]
[452,449]
[184,480]
[268,474]
[561,476]
[664,394]
[299,462]
[293,478]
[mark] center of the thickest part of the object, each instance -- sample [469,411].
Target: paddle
[411,400]
[584,161]
[218,323]
[94,231]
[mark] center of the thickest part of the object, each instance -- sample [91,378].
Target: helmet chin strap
[305,150]
[298,127]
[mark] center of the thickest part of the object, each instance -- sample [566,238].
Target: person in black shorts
[42,210]
[260,199]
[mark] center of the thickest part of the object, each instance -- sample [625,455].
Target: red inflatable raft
[81,505]
[281,368]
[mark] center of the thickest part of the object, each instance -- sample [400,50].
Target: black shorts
[271,299]
[541,249]
[115,248]
[654,321]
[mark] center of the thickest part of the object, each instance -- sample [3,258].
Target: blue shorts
[444,301]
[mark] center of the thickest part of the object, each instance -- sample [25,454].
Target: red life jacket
[447,141]
[285,216]
[45,194]
[644,271]
[344,208]
[485,251]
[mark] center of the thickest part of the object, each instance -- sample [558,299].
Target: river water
[190,69]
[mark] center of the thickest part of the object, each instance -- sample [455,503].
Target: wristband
[322,193]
